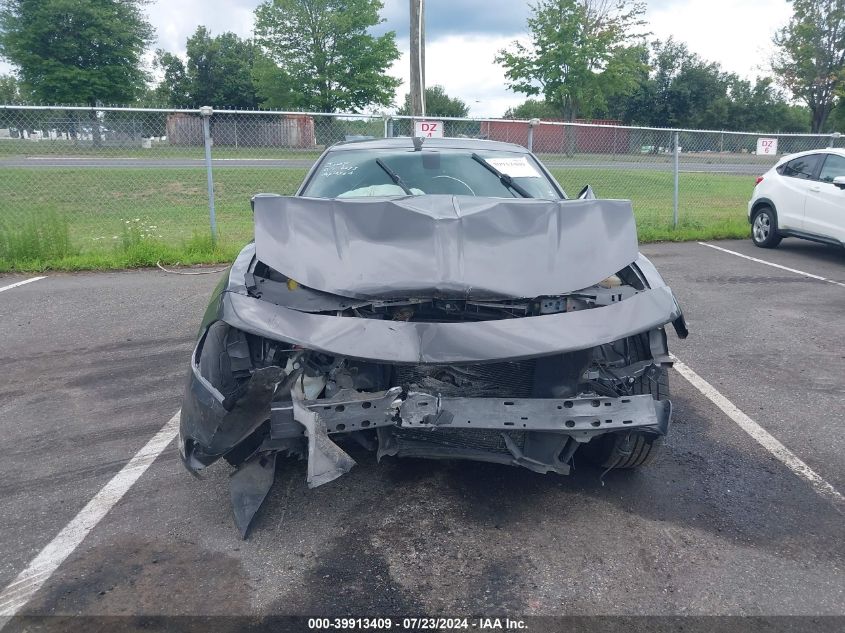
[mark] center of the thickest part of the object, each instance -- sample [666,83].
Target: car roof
[822,150]
[406,142]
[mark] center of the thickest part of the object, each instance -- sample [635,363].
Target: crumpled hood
[444,246]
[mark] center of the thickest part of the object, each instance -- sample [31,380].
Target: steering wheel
[458,180]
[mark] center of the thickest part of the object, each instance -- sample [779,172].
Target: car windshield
[401,172]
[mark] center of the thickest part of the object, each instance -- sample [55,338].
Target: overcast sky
[463,36]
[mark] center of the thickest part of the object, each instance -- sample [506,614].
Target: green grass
[711,206]
[26,238]
[198,250]
[119,218]
[75,219]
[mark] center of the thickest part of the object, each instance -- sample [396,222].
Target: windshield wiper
[396,178]
[505,179]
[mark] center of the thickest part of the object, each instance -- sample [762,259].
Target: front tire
[764,228]
[631,449]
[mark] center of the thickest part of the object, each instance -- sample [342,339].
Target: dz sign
[428,129]
[767,146]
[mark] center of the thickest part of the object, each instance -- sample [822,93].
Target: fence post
[387,125]
[677,153]
[531,125]
[206,112]
[833,138]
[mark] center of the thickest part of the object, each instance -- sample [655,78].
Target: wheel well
[759,205]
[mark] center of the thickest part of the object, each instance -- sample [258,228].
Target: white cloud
[464,66]
[174,22]
[738,35]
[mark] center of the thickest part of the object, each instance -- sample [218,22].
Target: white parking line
[15,596]
[773,265]
[21,283]
[759,434]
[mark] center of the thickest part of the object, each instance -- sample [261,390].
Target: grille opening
[509,379]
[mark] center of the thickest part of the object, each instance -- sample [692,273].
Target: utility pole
[418,57]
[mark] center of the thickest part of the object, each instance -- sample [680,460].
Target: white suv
[802,196]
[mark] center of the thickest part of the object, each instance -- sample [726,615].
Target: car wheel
[631,449]
[764,228]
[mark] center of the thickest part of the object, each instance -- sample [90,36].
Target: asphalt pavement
[94,365]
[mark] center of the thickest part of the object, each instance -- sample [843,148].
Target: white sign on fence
[767,146]
[428,129]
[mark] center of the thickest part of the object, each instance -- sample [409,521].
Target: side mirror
[839,181]
[586,193]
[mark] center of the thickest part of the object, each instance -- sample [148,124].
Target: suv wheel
[764,228]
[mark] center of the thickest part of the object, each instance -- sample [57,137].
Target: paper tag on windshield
[517,167]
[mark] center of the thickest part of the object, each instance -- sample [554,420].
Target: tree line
[586,59]
[673,87]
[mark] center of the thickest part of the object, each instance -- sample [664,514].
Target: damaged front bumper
[535,432]
[576,418]
[541,434]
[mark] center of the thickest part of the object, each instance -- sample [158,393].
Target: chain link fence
[81,180]
[691,183]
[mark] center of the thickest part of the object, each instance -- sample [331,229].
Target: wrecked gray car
[439,300]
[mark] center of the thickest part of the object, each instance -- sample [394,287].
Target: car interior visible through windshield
[366,173]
